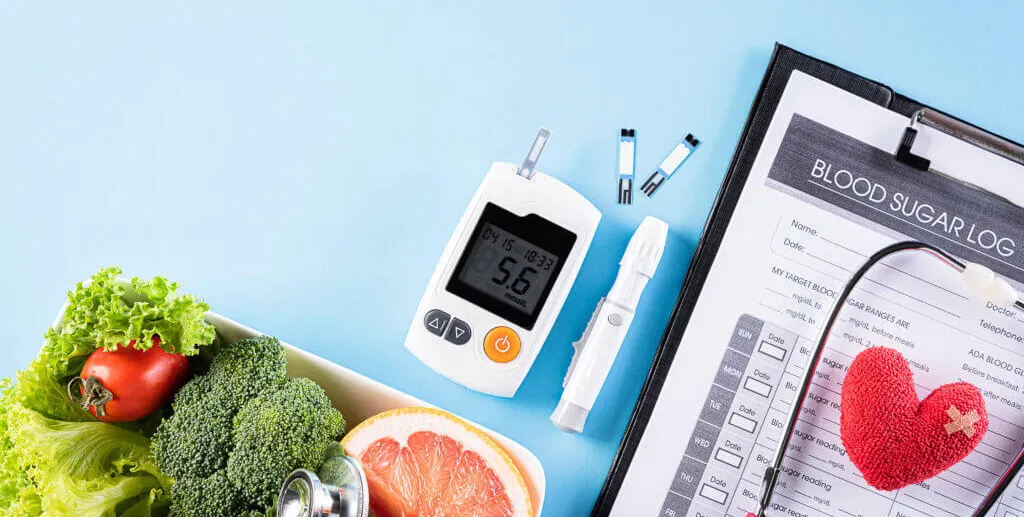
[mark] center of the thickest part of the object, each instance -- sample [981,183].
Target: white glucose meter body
[502,280]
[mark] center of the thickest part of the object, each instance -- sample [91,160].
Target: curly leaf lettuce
[41,389]
[105,313]
[18,497]
[82,469]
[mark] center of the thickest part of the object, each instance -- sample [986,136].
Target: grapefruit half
[423,462]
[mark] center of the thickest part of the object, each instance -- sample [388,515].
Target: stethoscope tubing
[771,474]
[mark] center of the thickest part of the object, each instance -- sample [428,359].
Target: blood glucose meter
[503,278]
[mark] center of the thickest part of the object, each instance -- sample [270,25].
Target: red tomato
[130,384]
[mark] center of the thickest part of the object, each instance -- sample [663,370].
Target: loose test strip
[627,165]
[670,164]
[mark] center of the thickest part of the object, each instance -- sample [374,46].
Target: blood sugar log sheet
[823,194]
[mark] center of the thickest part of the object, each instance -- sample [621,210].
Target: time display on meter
[508,268]
[510,264]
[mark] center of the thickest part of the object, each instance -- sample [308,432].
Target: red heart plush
[896,440]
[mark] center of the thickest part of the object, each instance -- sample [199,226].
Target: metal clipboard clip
[960,130]
[957,129]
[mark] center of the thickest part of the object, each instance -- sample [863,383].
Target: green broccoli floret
[249,367]
[196,440]
[279,432]
[335,470]
[238,430]
[213,496]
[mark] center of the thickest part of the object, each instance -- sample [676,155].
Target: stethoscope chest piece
[304,494]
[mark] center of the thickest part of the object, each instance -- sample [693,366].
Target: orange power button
[501,344]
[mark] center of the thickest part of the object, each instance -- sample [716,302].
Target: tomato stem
[91,394]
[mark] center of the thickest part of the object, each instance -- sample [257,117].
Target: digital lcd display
[508,268]
[510,263]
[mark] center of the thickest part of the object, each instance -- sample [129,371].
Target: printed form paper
[823,194]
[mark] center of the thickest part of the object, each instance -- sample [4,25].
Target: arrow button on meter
[436,321]
[458,333]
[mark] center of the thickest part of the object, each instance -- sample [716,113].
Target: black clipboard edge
[783,62]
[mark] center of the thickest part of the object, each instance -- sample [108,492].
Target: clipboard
[784,61]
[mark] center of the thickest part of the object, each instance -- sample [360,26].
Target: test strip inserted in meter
[503,277]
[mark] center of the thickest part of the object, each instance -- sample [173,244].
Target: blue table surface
[300,167]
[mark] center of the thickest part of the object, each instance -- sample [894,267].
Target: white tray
[358,397]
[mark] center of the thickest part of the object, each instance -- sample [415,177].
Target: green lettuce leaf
[104,313]
[40,389]
[18,497]
[85,469]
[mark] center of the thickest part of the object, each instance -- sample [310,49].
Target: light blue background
[301,166]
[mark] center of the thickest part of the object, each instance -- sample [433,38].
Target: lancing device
[596,350]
